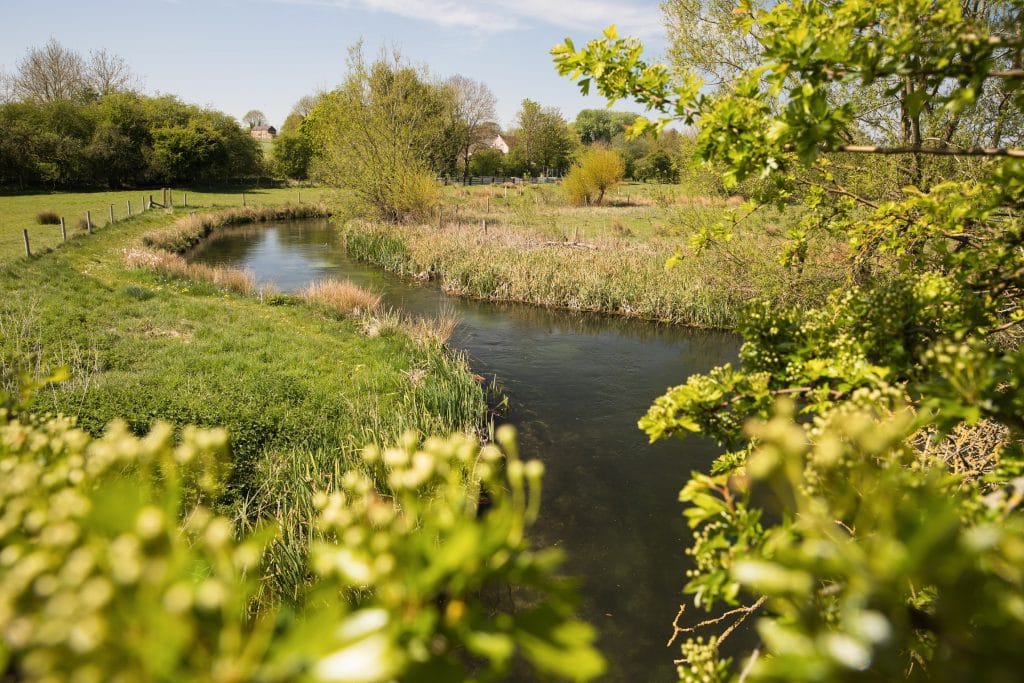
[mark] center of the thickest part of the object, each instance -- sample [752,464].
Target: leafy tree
[486,162]
[293,152]
[842,515]
[601,125]
[542,140]
[253,118]
[382,135]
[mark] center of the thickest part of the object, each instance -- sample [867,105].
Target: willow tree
[868,506]
[382,136]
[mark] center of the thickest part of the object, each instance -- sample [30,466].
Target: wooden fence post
[129,204]
[150,202]
[243,199]
[440,218]
[28,251]
[164,202]
[298,196]
[88,222]
[184,199]
[483,224]
[63,229]
[111,213]
[170,199]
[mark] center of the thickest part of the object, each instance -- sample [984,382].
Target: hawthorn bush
[842,515]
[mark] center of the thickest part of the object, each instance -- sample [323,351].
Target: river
[577,383]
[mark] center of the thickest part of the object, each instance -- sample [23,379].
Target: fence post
[63,229]
[150,202]
[88,222]
[164,202]
[28,251]
[170,199]
[111,213]
[129,203]
[184,199]
[298,196]
[488,202]
[483,224]
[243,199]
[440,218]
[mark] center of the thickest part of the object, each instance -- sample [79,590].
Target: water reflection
[577,385]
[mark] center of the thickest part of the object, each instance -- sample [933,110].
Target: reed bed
[605,273]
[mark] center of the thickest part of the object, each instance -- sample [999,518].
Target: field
[527,244]
[20,211]
[300,387]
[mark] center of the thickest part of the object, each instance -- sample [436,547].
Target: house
[263,132]
[497,143]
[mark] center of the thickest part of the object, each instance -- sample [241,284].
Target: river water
[577,383]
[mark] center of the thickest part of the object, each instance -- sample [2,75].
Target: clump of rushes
[342,296]
[48,217]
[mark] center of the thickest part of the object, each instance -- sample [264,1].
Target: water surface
[577,384]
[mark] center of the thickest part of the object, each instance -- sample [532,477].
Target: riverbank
[526,245]
[300,387]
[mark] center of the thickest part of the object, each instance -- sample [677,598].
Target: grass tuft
[48,217]
[342,296]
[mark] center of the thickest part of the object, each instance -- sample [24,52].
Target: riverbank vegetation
[842,519]
[530,245]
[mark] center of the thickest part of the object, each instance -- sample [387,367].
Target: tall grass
[164,262]
[342,296]
[607,273]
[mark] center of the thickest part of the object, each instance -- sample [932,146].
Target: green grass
[299,388]
[19,211]
[610,258]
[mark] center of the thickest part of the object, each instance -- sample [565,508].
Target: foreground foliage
[863,556]
[114,566]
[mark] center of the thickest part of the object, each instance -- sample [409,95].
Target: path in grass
[299,389]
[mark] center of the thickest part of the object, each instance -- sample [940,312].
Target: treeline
[64,131]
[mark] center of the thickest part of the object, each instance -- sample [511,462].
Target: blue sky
[237,55]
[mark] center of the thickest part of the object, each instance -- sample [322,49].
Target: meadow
[301,386]
[527,244]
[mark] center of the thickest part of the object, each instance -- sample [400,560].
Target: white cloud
[492,16]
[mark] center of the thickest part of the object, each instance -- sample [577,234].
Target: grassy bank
[535,249]
[299,385]
[20,211]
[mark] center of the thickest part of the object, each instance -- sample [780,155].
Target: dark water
[577,385]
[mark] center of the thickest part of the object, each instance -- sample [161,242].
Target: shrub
[48,217]
[598,170]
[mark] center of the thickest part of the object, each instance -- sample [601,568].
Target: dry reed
[342,296]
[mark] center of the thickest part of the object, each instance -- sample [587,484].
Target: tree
[841,513]
[597,171]
[253,118]
[381,135]
[108,73]
[601,125]
[49,73]
[293,152]
[472,113]
[542,139]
